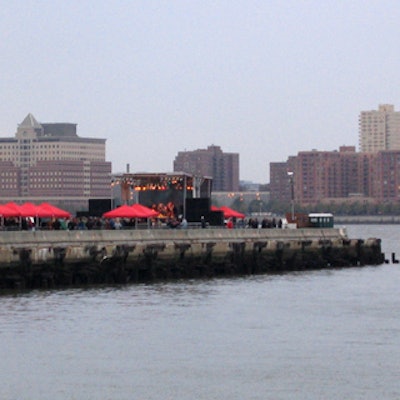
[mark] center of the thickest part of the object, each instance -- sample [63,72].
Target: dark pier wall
[68,258]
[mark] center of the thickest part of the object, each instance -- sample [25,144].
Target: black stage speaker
[97,207]
[216,218]
[197,208]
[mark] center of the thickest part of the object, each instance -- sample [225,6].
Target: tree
[238,204]
[257,206]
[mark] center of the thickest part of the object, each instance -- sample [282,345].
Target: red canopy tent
[32,210]
[230,213]
[15,209]
[44,210]
[134,211]
[7,212]
[55,211]
[123,212]
[26,210]
[145,211]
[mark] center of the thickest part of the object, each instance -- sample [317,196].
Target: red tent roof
[15,209]
[121,212]
[145,211]
[134,211]
[6,211]
[45,210]
[55,211]
[124,212]
[230,213]
[32,210]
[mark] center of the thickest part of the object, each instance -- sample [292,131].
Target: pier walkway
[30,259]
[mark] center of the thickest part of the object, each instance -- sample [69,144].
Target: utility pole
[291,182]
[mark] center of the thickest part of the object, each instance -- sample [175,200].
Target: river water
[332,334]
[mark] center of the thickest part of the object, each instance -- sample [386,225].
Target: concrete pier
[47,259]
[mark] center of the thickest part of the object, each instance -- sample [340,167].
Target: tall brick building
[386,176]
[50,162]
[320,176]
[213,162]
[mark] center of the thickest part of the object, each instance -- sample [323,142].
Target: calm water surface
[332,334]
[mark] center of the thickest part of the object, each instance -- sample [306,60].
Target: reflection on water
[316,335]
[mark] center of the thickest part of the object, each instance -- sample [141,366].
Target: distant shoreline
[367,219]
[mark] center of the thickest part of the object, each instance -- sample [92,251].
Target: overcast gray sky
[264,79]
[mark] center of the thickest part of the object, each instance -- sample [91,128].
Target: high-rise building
[222,167]
[386,176]
[280,187]
[379,129]
[50,162]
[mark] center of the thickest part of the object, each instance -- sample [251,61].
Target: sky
[262,78]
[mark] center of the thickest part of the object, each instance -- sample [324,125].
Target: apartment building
[373,174]
[322,175]
[386,176]
[50,162]
[379,129]
[222,167]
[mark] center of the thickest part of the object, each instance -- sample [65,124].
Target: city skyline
[262,79]
[376,121]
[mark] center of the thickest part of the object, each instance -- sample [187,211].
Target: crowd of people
[254,223]
[166,217]
[97,223]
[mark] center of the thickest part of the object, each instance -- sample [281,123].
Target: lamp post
[291,182]
[112,194]
[258,198]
